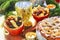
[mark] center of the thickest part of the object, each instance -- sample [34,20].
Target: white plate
[39,36]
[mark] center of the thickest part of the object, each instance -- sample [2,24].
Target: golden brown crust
[50,27]
[28,24]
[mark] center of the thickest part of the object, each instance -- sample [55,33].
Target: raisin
[50,26]
[48,30]
[53,24]
[19,18]
[40,11]
[37,13]
[11,26]
[45,13]
[18,23]
[57,21]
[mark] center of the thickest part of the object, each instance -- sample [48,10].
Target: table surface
[21,36]
[10,37]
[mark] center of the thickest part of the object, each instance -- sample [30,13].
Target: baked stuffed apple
[39,13]
[13,25]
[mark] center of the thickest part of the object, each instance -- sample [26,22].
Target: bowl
[13,31]
[40,13]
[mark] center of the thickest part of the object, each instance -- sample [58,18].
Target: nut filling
[13,23]
[51,26]
[40,11]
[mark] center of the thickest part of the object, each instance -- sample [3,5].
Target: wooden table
[19,37]
[10,37]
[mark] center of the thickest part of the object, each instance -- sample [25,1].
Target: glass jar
[24,10]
